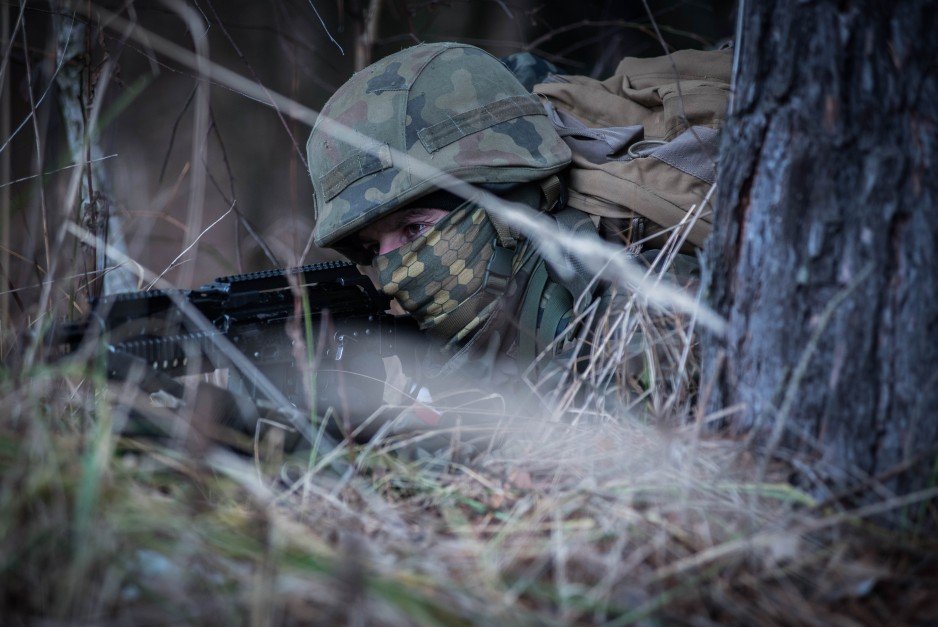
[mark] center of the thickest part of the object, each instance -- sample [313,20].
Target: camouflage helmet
[451,106]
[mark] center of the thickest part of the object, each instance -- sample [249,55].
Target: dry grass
[615,522]
[637,514]
[634,512]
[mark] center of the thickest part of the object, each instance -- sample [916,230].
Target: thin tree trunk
[366,29]
[5,173]
[824,255]
[97,211]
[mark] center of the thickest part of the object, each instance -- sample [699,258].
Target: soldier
[477,287]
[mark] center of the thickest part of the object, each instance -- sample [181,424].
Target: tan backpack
[645,140]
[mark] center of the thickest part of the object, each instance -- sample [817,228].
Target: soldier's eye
[413,230]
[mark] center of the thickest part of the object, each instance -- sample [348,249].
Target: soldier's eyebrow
[398,221]
[409,216]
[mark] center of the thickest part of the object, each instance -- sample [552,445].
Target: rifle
[241,323]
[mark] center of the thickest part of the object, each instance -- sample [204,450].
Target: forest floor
[620,521]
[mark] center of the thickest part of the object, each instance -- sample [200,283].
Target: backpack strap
[548,301]
[554,288]
[527,319]
[506,236]
[558,303]
[552,189]
[570,272]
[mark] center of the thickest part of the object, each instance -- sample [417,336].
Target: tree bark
[824,254]
[96,203]
[5,167]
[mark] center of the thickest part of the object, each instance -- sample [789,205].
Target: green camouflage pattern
[452,106]
[520,273]
[434,274]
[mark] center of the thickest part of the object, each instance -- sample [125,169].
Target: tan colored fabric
[649,93]
[647,186]
[635,93]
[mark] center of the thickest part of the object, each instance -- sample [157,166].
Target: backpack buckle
[498,270]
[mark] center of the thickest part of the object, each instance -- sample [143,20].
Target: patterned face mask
[432,275]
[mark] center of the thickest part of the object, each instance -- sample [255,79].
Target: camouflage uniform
[466,279]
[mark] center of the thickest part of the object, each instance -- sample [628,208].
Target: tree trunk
[824,254]
[5,169]
[96,205]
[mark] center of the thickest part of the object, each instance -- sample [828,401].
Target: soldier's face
[399,228]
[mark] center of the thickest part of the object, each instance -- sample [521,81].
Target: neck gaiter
[432,275]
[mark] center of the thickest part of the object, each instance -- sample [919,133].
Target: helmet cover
[451,106]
